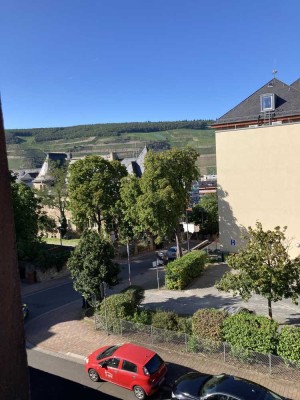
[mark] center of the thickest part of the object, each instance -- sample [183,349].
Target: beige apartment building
[258,165]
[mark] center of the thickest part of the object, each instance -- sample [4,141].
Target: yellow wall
[259,179]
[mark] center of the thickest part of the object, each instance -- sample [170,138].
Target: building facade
[258,164]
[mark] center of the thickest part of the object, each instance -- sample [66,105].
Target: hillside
[26,148]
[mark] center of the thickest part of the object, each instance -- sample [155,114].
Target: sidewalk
[67,334]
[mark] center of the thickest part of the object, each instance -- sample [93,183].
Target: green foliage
[251,333]
[206,214]
[263,267]
[143,317]
[167,320]
[137,294]
[166,180]
[94,189]
[289,344]
[118,306]
[114,129]
[129,223]
[180,272]
[90,264]
[50,256]
[26,209]
[207,324]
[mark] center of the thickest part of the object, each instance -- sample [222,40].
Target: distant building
[26,176]
[258,164]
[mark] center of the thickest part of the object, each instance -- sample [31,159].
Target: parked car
[195,385]
[133,367]
[168,255]
[233,310]
[25,310]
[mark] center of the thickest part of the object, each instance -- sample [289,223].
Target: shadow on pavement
[51,387]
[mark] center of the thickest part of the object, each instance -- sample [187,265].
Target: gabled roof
[287,103]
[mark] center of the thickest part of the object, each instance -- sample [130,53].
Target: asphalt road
[55,378]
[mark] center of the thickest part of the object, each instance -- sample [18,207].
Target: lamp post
[128,262]
[103,295]
[187,229]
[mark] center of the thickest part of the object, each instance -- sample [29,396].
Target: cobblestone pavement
[65,332]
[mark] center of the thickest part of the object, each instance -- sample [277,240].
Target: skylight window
[267,102]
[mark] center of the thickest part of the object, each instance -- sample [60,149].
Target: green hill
[26,148]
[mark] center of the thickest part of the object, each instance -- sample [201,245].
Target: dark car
[196,385]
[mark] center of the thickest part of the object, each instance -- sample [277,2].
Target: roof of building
[287,103]
[44,174]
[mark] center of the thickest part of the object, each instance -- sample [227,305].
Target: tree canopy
[206,214]
[94,189]
[26,209]
[165,184]
[263,267]
[91,264]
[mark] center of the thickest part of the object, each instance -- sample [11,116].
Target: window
[108,352]
[113,362]
[267,102]
[129,366]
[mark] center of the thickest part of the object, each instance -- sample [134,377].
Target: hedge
[207,323]
[251,333]
[181,272]
[289,344]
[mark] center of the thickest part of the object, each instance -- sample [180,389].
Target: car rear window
[107,353]
[154,364]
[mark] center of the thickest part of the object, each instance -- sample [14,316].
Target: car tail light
[86,360]
[146,372]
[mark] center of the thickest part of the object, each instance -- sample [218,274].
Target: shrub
[143,317]
[137,294]
[251,332]
[182,271]
[289,344]
[207,324]
[167,320]
[118,306]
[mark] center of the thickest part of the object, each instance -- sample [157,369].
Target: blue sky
[73,62]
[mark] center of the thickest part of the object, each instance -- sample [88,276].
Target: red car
[133,367]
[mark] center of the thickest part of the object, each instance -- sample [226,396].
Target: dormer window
[267,102]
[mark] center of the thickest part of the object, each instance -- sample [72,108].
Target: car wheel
[139,392]
[93,375]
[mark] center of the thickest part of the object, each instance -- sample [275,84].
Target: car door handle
[133,376]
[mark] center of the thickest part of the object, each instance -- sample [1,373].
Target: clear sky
[73,62]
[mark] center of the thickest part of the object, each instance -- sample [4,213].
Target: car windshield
[107,353]
[211,384]
[154,364]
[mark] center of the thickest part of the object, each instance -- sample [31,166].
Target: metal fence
[148,334]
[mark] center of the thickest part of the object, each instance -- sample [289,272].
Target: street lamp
[187,229]
[128,262]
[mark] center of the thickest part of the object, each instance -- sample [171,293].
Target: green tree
[94,189]
[263,267]
[206,214]
[129,225]
[26,207]
[165,184]
[91,264]
[56,195]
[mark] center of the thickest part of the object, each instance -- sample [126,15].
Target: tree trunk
[14,382]
[178,245]
[270,309]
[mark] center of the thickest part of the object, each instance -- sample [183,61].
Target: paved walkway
[66,333]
